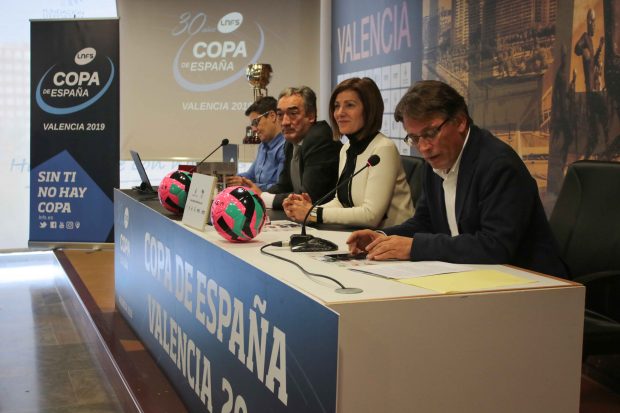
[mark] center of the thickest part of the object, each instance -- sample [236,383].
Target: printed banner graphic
[541,76]
[381,41]
[187,61]
[74,131]
[68,201]
[230,337]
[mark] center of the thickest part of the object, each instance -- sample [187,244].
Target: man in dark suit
[479,203]
[311,153]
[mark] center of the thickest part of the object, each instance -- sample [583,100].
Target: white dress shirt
[450,178]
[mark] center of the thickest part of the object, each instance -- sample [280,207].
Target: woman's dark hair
[372,103]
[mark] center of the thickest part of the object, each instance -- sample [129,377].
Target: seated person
[479,203]
[267,166]
[311,155]
[378,196]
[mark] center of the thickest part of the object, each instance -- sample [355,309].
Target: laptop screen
[230,153]
[146,184]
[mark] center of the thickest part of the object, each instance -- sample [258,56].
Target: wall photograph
[542,75]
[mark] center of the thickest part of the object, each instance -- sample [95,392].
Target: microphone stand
[304,242]
[224,143]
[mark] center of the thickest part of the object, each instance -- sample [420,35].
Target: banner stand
[74,132]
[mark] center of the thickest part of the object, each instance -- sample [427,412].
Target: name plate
[199,199]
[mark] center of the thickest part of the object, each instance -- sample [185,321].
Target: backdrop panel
[381,40]
[183,64]
[74,130]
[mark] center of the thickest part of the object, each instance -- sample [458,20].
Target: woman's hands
[296,206]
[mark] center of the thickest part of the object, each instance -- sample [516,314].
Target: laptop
[145,186]
[230,153]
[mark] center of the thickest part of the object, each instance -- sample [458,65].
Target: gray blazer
[318,165]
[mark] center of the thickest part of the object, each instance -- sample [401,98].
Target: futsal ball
[238,214]
[173,189]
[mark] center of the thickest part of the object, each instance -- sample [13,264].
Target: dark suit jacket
[499,214]
[318,165]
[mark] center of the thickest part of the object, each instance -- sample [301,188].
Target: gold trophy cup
[258,75]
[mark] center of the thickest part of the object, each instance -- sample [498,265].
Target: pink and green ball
[238,214]
[173,190]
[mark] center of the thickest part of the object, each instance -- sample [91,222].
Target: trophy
[258,75]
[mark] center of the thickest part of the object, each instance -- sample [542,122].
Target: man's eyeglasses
[254,123]
[428,136]
[291,112]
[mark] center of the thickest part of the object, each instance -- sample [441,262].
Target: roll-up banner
[74,130]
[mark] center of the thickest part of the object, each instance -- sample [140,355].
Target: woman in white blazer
[377,197]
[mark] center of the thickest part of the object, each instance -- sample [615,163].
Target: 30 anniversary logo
[214,56]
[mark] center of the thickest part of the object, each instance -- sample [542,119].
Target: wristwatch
[316,215]
[312,216]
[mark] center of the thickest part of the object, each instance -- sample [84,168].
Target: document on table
[468,281]
[407,269]
[281,225]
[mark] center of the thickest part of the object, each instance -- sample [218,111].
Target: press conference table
[398,348]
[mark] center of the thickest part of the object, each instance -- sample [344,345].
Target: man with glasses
[311,153]
[479,203]
[269,162]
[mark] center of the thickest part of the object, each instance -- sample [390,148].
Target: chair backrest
[413,166]
[586,217]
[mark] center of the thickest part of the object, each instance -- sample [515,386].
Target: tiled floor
[54,360]
[51,358]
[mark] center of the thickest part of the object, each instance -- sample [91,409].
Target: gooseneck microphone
[224,143]
[303,242]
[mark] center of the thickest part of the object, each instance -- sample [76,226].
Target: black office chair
[413,166]
[586,224]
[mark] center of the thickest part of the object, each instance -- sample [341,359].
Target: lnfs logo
[68,87]
[216,51]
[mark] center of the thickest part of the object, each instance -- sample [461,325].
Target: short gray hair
[307,94]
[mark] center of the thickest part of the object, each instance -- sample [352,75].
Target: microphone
[224,143]
[304,243]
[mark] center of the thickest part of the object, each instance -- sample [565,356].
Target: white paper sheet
[409,269]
